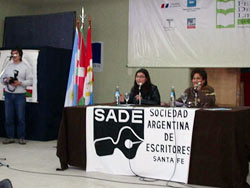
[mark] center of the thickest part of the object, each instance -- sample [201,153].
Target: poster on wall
[30,58]
[121,140]
[97,50]
[189,33]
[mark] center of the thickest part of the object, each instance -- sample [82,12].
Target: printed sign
[189,33]
[121,140]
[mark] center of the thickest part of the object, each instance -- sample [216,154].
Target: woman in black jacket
[143,90]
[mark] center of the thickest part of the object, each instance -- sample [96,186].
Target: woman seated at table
[142,84]
[205,93]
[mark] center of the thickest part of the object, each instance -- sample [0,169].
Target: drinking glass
[184,98]
[126,96]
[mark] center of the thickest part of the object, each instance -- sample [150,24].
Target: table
[220,145]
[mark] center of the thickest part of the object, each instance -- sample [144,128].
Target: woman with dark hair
[205,95]
[143,90]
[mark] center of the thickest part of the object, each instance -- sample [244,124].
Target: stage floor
[34,165]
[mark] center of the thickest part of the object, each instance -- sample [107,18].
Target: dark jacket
[152,97]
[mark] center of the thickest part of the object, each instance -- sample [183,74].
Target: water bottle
[172,97]
[117,95]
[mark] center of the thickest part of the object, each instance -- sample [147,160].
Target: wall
[226,82]
[8,8]
[110,25]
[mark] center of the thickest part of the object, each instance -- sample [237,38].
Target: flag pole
[82,16]
[80,20]
[90,21]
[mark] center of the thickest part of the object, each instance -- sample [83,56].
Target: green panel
[243,21]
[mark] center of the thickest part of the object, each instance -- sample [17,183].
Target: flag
[80,83]
[71,92]
[89,75]
[80,76]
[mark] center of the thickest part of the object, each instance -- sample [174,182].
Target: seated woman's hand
[122,98]
[137,97]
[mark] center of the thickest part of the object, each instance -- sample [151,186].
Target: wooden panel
[226,82]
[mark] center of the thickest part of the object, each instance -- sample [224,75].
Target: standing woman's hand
[16,83]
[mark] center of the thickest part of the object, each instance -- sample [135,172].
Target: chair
[6,183]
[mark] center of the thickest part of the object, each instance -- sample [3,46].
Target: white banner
[189,33]
[29,57]
[153,142]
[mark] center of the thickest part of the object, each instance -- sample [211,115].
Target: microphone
[14,55]
[140,84]
[196,86]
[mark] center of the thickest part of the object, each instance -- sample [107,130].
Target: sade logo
[121,129]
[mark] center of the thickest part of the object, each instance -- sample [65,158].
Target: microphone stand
[196,94]
[195,97]
[140,93]
[1,164]
[5,64]
[139,97]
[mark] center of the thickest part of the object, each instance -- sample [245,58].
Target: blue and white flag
[71,93]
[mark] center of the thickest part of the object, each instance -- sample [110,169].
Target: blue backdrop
[55,30]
